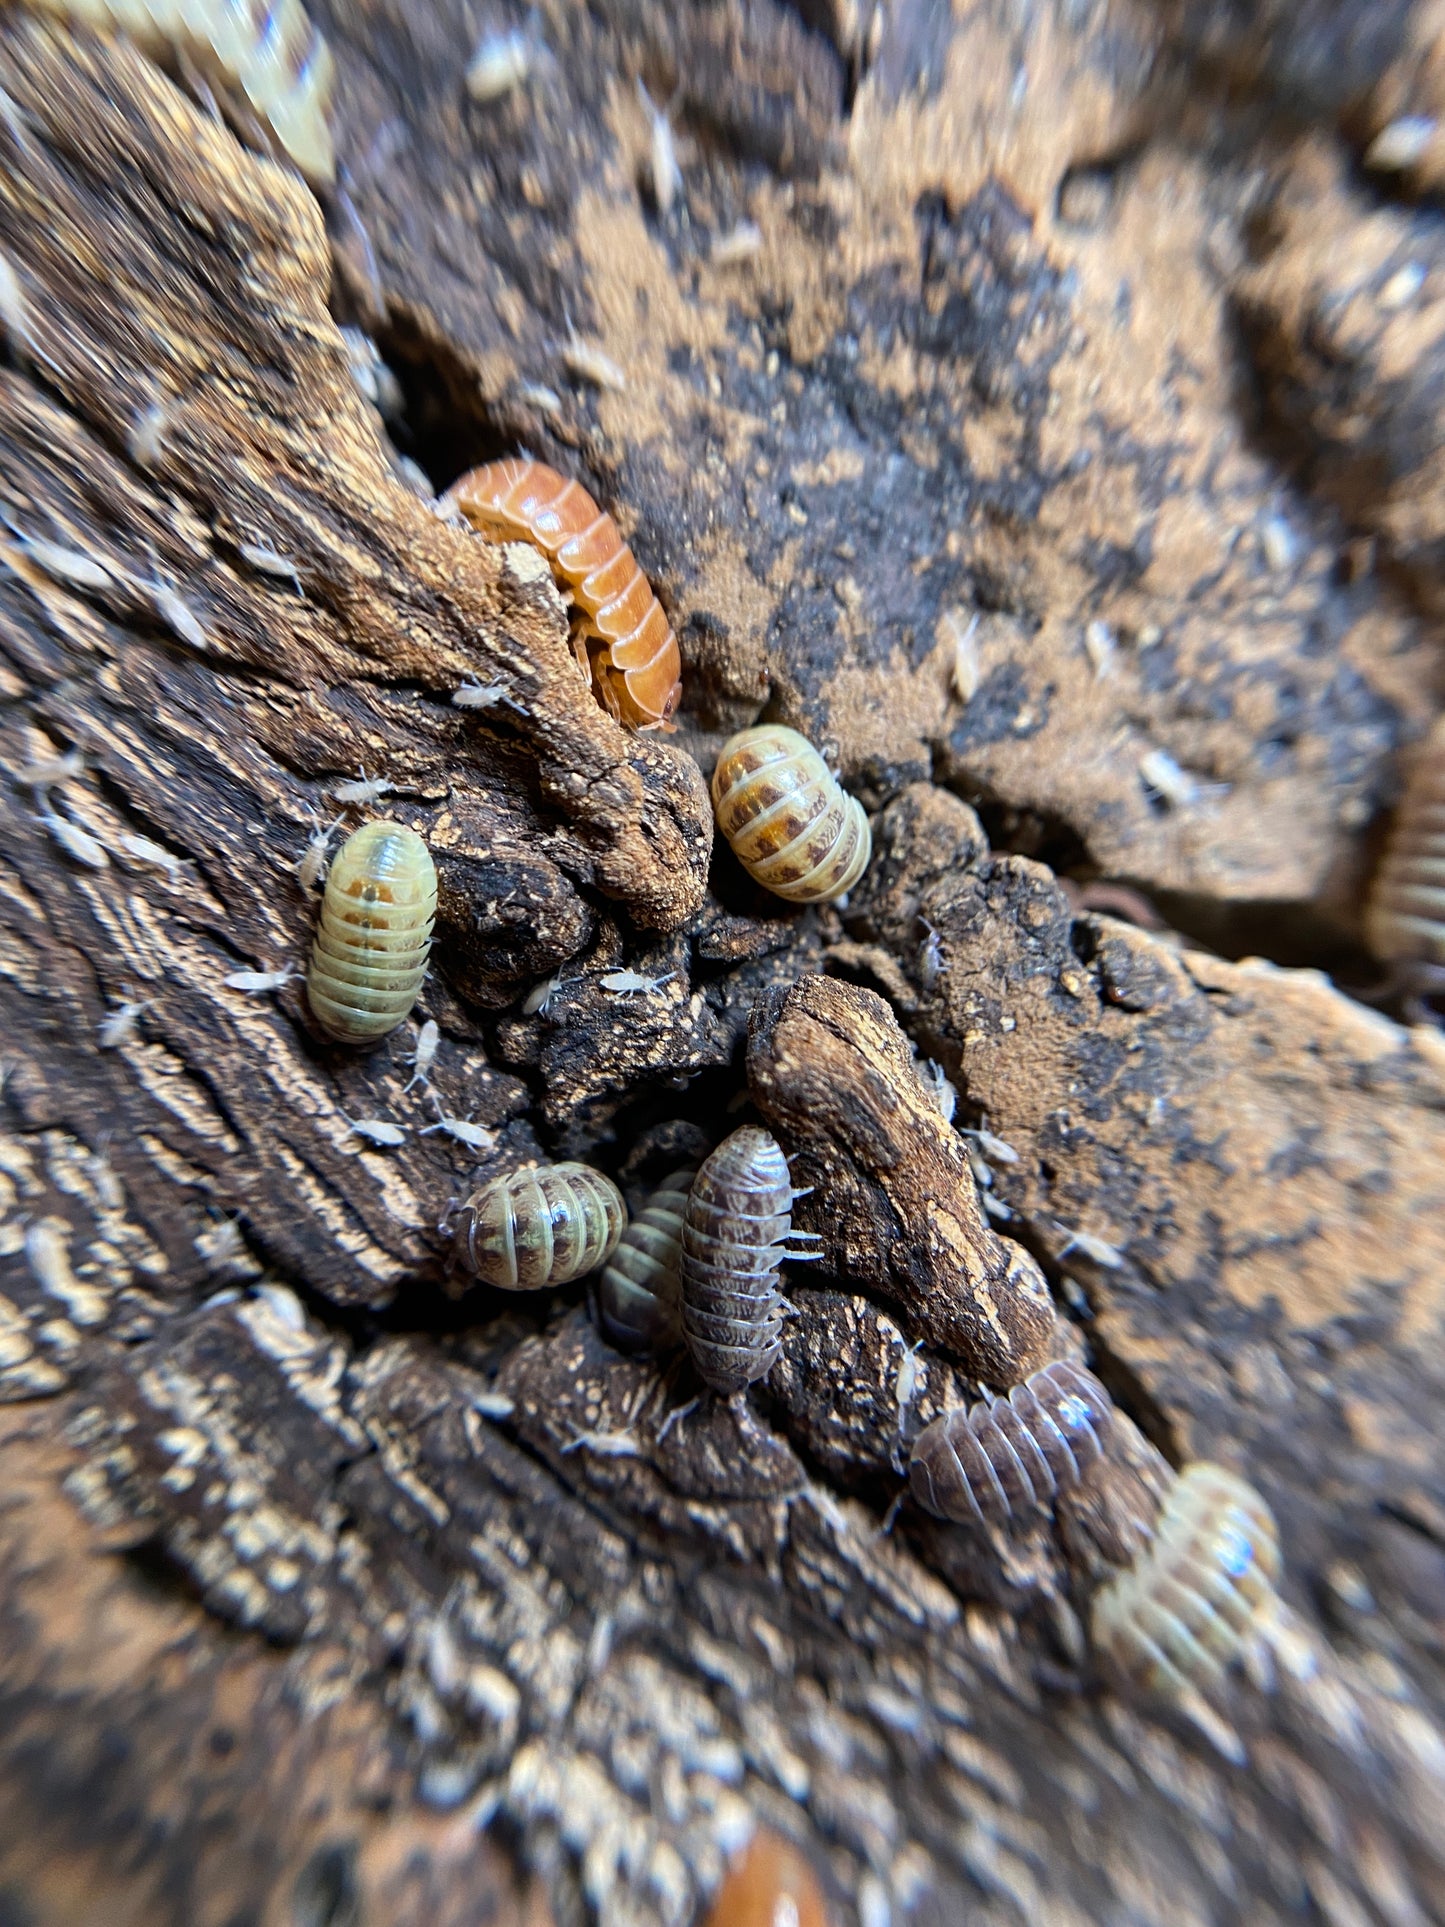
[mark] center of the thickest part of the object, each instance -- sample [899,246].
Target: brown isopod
[638,1292]
[624,642]
[1004,1458]
[1200,1594]
[267,49]
[1405,917]
[371,948]
[790,824]
[738,1214]
[540,1227]
[770,1884]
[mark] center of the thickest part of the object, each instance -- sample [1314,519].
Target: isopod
[155,856]
[540,1227]
[623,641]
[268,49]
[371,948]
[377,1130]
[770,1884]
[364,789]
[1004,1458]
[76,842]
[638,1292]
[311,865]
[119,1026]
[790,825]
[738,1214]
[428,1042]
[1405,918]
[1200,1594]
[627,983]
[258,982]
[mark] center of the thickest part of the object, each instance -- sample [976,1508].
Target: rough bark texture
[325,1597]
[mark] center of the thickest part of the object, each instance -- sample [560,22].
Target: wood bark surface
[329,1596]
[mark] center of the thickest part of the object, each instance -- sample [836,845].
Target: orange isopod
[770,1884]
[623,641]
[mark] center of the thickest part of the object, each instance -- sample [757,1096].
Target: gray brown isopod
[375,933]
[738,1214]
[540,1227]
[1405,918]
[266,48]
[1200,1593]
[638,1293]
[999,1460]
[790,825]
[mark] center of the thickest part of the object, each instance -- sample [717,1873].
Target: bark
[329,1596]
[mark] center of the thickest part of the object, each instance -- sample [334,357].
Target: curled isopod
[737,1216]
[375,933]
[1405,918]
[638,1292]
[623,641]
[540,1227]
[790,825]
[1004,1458]
[1201,1593]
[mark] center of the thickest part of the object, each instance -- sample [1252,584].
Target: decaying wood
[323,1592]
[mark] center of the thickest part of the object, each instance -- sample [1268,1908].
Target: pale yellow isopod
[376,922]
[540,1227]
[790,825]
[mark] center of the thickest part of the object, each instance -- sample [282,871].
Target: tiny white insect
[995,1207]
[119,1025]
[1097,1249]
[476,1137]
[1278,544]
[994,1147]
[939,1088]
[1176,786]
[428,1040]
[262,556]
[144,437]
[50,772]
[502,61]
[75,841]
[1099,648]
[545,400]
[540,998]
[666,175]
[623,983]
[15,310]
[737,245]
[483,695]
[179,617]
[376,1130]
[589,363]
[73,567]
[963,638]
[910,1371]
[154,856]
[931,965]
[494,1405]
[364,789]
[257,981]
[311,867]
[374,380]
[607,1445]
[1402,144]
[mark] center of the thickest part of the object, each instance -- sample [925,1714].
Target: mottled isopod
[267,49]
[638,1292]
[1197,1597]
[738,1213]
[540,1227]
[1405,920]
[624,642]
[790,825]
[770,1884]
[376,921]
[999,1460]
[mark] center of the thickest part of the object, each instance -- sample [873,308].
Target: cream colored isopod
[790,825]
[376,922]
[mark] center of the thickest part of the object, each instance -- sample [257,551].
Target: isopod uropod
[540,1227]
[790,825]
[1201,1591]
[738,1213]
[375,933]
[623,640]
[1405,919]
[638,1292]
[266,48]
[999,1460]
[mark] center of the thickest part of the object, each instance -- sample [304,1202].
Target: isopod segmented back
[738,1213]
[770,1884]
[635,666]
[371,947]
[1405,918]
[1191,1603]
[1006,1458]
[638,1294]
[791,826]
[540,1227]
